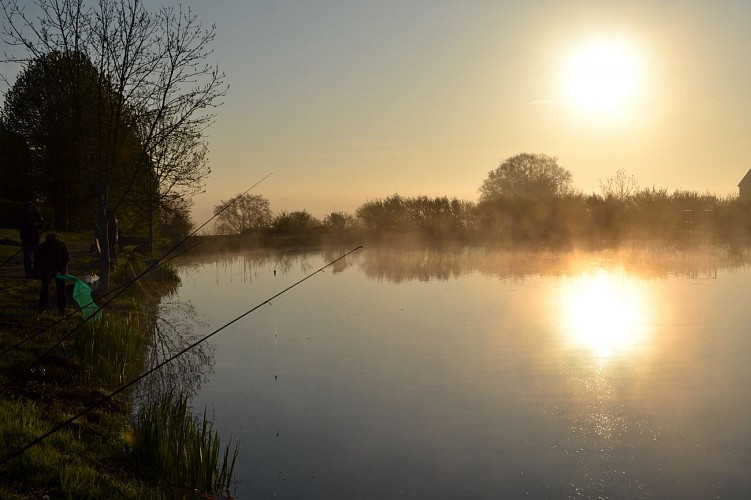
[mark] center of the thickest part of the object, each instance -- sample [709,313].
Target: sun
[603,77]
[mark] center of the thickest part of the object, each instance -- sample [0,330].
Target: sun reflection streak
[605,313]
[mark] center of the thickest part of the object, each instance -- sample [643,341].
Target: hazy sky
[347,101]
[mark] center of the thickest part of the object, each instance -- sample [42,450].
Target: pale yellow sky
[347,101]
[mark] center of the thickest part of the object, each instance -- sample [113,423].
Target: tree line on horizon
[109,110]
[527,200]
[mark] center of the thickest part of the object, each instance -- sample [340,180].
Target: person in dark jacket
[30,228]
[52,259]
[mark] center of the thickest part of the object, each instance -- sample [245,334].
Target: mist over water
[479,373]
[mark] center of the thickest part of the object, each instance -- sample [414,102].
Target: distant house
[744,187]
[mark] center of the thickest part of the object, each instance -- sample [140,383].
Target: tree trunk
[104,247]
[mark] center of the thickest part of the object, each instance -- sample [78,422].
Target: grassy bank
[45,382]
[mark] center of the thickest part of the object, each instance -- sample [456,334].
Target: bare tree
[620,186]
[154,79]
[242,214]
[174,174]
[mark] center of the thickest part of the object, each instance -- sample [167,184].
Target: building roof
[746,178]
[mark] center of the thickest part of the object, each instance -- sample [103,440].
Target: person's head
[51,238]
[28,206]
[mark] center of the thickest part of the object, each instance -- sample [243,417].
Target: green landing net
[82,295]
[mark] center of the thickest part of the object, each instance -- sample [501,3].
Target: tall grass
[182,448]
[82,482]
[56,464]
[108,350]
[22,421]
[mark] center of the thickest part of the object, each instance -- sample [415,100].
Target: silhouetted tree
[389,214]
[244,213]
[527,176]
[175,220]
[56,105]
[298,220]
[153,79]
[438,217]
[620,187]
[21,181]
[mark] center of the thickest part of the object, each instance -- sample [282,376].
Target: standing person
[52,259]
[30,228]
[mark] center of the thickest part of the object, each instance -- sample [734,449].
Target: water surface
[480,374]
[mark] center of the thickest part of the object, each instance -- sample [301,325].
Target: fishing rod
[72,313]
[114,393]
[65,353]
[119,290]
[11,257]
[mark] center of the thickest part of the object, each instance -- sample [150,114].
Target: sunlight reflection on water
[430,374]
[606,312]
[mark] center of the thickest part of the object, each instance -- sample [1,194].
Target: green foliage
[181,449]
[526,176]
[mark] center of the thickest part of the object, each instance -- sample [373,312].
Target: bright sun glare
[602,77]
[604,314]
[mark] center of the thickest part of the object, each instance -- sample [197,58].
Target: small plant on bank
[183,449]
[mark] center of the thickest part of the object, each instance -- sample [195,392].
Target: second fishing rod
[10,258]
[113,294]
[103,399]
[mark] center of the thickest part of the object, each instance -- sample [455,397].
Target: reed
[108,350]
[181,448]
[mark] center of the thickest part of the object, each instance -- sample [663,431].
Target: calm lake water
[479,374]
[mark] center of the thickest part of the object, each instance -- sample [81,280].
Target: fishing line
[275,336]
[70,371]
[11,257]
[119,290]
[109,396]
[72,313]
[65,317]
